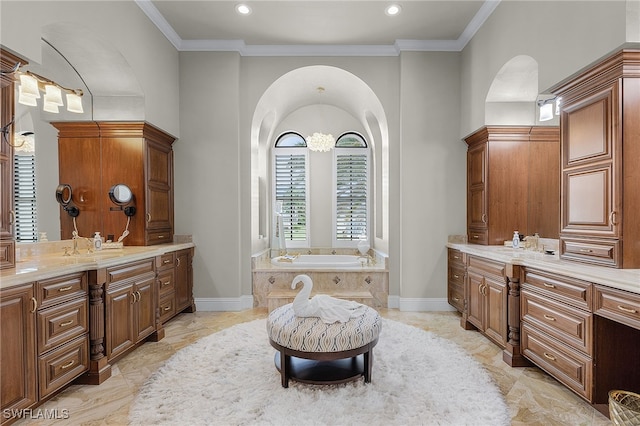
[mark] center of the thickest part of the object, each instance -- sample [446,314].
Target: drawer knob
[629,310]
[67,288]
[66,323]
[549,356]
[67,365]
[549,317]
[548,285]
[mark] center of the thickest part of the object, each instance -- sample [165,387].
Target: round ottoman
[310,351]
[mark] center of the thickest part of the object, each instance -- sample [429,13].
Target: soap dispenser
[516,239]
[97,241]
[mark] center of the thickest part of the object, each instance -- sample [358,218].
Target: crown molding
[244,49]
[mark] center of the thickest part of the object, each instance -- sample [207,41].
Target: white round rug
[229,378]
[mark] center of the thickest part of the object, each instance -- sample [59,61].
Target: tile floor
[533,397]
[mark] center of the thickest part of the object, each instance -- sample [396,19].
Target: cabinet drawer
[166,282]
[60,366]
[617,305]
[568,290]
[456,275]
[159,236]
[596,252]
[167,307]
[166,261]
[59,289]
[570,367]
[456,298]
[572,326]
[487,267]
[61,323]
[130,270]
[478,237]
[456,258]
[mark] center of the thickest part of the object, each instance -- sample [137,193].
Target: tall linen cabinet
[94,156]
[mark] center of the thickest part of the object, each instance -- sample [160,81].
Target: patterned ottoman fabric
[312,335]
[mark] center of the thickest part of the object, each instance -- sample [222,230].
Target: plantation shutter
[24,171]
[351,196]
[291,190]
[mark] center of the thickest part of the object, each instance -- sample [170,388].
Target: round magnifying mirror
[120,194]
[63,194]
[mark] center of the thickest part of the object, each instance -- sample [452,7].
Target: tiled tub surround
[367,284]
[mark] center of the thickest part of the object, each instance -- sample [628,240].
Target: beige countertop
[35,265]
[623,279]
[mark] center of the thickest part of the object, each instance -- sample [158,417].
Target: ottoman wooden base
[324,368]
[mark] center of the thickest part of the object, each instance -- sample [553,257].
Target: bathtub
[319,261]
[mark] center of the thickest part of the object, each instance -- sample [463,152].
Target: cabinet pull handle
[549,317]
[476,237]
[456,276]
[66,323]
[483,218]
[12,217]
[549,356]
[177,261]
[456,299]
[34,304]
[629,310]
[133,297]
[548,285]
[67,288]
[456,257]
[166,308]
[586,251]
[166,283]
[148,217]
[67,365]
[139,295]
[164,262]
[612,217]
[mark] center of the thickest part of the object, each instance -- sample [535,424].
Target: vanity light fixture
[243,9]
[31,84]
[393,10]
[546,108]
[320,142]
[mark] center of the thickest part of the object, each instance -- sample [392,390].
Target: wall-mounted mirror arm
[121,195]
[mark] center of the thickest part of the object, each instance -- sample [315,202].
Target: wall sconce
[546,108]
[320,142]
[31,84]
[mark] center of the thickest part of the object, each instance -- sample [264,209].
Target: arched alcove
[511,99]
[327,89]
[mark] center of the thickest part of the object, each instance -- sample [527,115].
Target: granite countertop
[623,279]
[39,266]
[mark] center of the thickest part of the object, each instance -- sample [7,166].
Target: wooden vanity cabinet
[599,149]
[456,271]
[512,183]
[94,156]
[44,333]
[557,328]
[487,298]
[175,283]
[18,350]
[130,305]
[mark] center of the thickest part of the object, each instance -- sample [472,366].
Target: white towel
[328,309]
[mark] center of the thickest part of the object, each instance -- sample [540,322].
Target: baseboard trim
[424,305]
[224,304]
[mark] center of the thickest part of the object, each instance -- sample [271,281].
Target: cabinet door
[18,348]
[495,295]
[589,180]
[477,184]
[183,280]
[476,308]
[119,311]
[144,308]
[159,199]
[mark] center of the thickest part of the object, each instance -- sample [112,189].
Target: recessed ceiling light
[243,9]
[393,9]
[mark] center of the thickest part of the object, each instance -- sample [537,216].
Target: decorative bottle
[516,239]
[97,241]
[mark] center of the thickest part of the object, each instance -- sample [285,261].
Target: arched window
[290,166]
[351,190]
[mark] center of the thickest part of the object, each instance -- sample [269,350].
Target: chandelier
[320,142]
